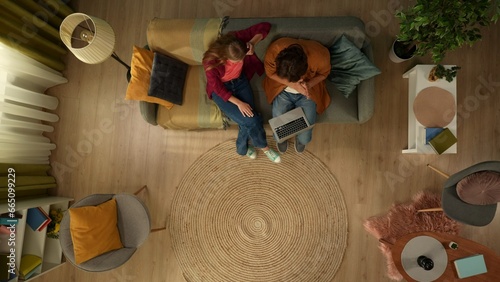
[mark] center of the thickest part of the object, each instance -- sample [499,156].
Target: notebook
[470,266]
[289,124]
[443,141]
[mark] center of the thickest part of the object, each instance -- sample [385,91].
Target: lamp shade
[90,39]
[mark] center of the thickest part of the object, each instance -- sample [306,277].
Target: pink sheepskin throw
[403,219]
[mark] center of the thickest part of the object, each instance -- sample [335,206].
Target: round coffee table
[425,246]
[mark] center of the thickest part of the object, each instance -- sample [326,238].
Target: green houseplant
[438,26]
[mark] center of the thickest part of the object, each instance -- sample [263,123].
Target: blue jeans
[286,101]
[250,128]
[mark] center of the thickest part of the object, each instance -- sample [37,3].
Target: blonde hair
[225,47]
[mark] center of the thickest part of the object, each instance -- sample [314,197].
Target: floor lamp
[90,39]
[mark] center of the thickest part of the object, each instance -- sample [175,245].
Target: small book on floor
[443,141]
[470,266]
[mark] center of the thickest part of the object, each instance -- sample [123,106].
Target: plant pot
[400,52]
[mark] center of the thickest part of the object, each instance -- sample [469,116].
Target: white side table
[417,81]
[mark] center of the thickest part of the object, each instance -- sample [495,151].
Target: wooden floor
[104,146]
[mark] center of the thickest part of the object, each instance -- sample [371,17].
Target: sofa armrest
[366,91]
[148,112]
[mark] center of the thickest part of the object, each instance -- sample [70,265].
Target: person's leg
[253,125]
[232,112]
[282,103]
[309,108]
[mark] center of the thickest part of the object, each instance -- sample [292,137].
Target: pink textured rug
[403,219]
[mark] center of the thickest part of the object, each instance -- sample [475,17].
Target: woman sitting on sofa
[229,64]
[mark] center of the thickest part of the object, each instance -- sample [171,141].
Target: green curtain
[32,27]
[30,180]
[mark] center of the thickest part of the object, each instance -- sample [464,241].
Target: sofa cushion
[197,111]
[480,188]
[138,87]
[183,39]
[349,66]
[167,78]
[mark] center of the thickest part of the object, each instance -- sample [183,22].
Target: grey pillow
[168,76]
[349,66]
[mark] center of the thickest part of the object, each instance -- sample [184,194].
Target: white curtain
[23,119]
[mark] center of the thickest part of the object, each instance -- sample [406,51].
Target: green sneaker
[273,156]
[251,153]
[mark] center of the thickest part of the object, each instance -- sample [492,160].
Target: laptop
[289,124]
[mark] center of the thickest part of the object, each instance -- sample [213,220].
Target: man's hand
[300,86]
[305,86]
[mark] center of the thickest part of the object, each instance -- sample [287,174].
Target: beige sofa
[187,40]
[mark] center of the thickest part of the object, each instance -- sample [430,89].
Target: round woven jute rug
[236,219]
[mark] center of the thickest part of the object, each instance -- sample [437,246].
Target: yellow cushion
[138,87]
[94,230]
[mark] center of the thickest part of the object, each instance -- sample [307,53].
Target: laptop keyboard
[291,128]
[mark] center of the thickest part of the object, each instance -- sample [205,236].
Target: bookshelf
[36,242]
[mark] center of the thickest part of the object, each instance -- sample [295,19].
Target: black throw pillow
[168,76]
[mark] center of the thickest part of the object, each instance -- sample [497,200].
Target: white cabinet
[32,242]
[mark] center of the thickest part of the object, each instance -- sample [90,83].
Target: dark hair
[225,47]
[291,63]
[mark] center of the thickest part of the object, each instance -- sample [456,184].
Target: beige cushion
[480,188]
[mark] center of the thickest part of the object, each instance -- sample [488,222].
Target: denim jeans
[250,128]
[286,101]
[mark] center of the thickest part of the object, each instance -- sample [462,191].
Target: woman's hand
[245,109]
[250,48]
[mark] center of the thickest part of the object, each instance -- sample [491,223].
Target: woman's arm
[248,34]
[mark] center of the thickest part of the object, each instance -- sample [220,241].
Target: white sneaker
[251,153]
[273,155]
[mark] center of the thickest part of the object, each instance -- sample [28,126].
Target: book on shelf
[29,265]
[443,141]
[431,132]
[37,219]
[10,218]
[4,267]
[8,221]
[470,266]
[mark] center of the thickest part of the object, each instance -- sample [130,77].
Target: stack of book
[440,139]
[37,219]
[30,264]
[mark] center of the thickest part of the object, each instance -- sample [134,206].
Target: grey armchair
[459,210]
[134,226]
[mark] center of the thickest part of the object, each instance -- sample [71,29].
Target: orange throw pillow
[94,230]
[138,87]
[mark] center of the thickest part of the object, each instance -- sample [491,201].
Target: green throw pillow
[349,66]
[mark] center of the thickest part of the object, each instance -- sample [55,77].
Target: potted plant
[439,71]
[438,26]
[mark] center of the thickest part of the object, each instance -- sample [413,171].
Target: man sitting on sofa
[295,74]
